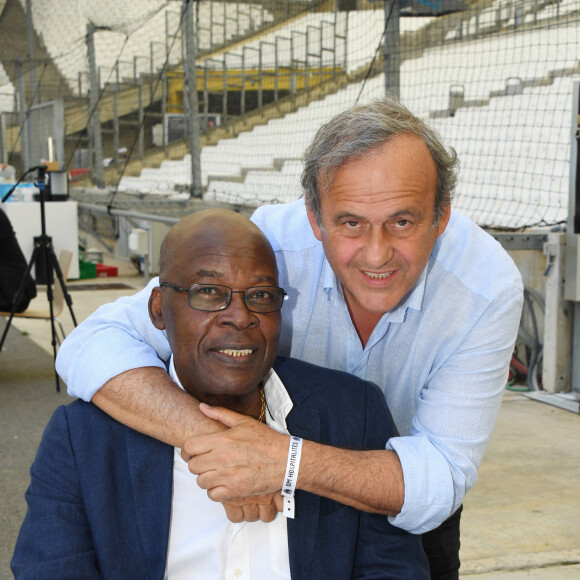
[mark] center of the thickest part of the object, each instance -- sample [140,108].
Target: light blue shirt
[441,356]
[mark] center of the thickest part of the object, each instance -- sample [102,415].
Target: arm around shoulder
[147,400]
[117,337]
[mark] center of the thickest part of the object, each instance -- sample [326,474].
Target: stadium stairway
[15,47]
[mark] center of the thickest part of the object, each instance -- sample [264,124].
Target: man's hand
[248,459]
[252,509]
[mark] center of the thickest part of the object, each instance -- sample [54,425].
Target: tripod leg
[50,261]
[18,296]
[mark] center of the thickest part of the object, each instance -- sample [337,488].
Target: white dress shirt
[203,543]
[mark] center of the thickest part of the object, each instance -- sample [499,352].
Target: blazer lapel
[151,475]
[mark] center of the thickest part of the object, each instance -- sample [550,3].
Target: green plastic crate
[87,270]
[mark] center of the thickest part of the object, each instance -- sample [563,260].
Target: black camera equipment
[43,253]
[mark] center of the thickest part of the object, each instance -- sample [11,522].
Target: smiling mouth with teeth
[378,276]
[236,353]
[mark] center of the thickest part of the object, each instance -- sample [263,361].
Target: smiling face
[220,357]
[377,226]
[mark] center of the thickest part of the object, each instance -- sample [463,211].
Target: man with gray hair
[388,284]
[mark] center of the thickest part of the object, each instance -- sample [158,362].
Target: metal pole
[116,121]
[59,133]
[346,43]
[3,158]
[276,71]
[321,51]
[392,47]
[334,46]
[151,69]
[210,24]
[306,67]
[224,91]
[140,121]
[167,43]
[32,87]
[164,109]
[243,90]
[260,80]
[24,157]
[94,115]
[205,98]
[90,137]
[572,273]
[191,81]
[292,75]
[31,55]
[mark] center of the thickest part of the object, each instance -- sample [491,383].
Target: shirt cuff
[430,496]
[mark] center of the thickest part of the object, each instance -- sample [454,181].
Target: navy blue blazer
[99,501]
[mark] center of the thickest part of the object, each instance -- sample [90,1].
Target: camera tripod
[43,248]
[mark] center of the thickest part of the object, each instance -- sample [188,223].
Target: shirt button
[237,573]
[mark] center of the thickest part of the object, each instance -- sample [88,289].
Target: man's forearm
[250,459]
[371,481]
[147,400]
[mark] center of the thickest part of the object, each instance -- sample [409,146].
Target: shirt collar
[412,301]
[278,401]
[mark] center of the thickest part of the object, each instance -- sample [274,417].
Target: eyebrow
[403,212]
[346,214]
[207,274]
[216,274]
[266,279]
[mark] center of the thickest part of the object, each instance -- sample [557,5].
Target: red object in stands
[78,173]
[106,271]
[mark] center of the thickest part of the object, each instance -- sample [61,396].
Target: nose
[378,248]
[237,315]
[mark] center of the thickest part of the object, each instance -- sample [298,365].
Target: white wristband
[292,466]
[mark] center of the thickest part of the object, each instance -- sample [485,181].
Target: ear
[444,219]
[155,310]
[314,224]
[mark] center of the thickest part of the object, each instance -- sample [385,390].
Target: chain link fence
[494,79]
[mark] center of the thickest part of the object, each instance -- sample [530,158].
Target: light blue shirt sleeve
[116,338]
[454,419]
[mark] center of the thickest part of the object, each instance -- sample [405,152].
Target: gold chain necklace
[262,415]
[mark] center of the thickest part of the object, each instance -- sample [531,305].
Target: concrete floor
[524,512]
[521,520]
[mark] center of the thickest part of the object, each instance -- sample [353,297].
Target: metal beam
[392,48]
[193,108]
[520,241]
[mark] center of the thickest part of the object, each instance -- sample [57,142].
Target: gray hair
[363,128]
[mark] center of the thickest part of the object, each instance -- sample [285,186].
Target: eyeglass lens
[211,297]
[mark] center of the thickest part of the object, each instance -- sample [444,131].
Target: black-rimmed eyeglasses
[214,297]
